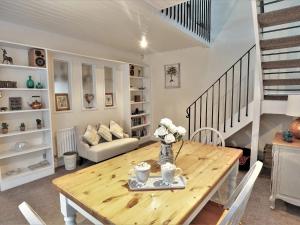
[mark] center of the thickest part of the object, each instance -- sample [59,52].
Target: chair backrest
[238,200]
[30,215]
[208,135]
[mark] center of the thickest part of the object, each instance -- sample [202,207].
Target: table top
[102,189]
[278,140]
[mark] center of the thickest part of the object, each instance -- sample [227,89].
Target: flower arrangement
[168,132]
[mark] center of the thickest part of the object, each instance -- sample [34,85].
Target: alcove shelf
[36,159]
[137,94]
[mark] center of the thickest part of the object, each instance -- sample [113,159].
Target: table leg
[68,212]
[232,179]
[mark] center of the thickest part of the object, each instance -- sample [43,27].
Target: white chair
[232,212]
[211,136]
[30,215]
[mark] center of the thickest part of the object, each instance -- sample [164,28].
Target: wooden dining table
[101,194]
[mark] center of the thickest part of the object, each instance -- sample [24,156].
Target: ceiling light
[143,42]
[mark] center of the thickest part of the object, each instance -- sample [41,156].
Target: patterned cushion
[116,129]
[104,132]
[91,136]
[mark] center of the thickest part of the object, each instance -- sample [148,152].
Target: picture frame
[62,102]
[109,99]
[172,75]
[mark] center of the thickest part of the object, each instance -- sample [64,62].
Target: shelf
[139,115]
[135,77]
[15,133]
[137,103]
[23,111]
[30,149]
[136,89]
[23,89]
[25,172]
[22,67]
[140,126]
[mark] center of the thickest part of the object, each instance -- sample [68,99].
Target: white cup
[142,172]
[168,172]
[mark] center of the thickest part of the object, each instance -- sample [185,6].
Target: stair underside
[281,64]
[278,82]
[276,97]
[278,43]
[278,17]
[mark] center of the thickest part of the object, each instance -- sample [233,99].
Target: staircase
[280,48]
[227,105]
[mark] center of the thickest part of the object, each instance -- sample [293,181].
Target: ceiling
[116,23]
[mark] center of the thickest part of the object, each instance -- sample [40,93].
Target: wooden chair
[30,215]
[211,136]
[232,212]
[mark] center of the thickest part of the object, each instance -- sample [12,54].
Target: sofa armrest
[82,147]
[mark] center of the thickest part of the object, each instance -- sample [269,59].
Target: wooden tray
[156,183]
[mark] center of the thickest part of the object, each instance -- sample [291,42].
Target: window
[110,97]
[62,87]
[88,87]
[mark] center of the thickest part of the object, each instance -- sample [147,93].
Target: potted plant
[38,124]
[22,127]
[4,128]
[168,134]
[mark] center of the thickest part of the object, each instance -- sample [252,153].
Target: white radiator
[66,141]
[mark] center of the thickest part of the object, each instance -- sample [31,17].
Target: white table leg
[232,179]
[68,212]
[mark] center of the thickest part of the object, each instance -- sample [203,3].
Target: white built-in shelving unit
[35,160]
[137,101]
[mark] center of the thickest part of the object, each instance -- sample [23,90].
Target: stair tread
[277,43]
[277,17]
[276,97]
[281,64]
[277,82]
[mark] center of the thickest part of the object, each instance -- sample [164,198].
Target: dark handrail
[210,91]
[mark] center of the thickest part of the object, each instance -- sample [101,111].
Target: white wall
[200,67]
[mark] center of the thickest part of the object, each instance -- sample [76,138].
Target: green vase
[30,83]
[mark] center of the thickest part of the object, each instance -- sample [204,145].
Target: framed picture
[62,102]
[172,75]
[109,99]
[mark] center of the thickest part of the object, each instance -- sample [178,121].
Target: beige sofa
[104,150]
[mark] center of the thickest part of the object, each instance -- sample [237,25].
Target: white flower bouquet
[168,133]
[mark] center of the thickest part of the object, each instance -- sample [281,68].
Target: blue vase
[30,83]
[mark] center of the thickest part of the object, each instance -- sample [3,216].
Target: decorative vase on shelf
[30,83]
[166,154]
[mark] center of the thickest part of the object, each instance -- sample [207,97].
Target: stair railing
[227,95]
[193,15]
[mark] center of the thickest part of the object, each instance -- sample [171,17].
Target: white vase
[166,154]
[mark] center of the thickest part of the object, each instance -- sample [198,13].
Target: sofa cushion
[107,150]
[91,136]
[105,133]
[116,129]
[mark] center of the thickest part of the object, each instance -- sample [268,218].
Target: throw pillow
[116,129]
[104,132]
[91,136]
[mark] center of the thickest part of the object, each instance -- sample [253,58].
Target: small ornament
[38,124]
[22,127]
[4,128]
[39,85]
[6,59]
[30,83]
